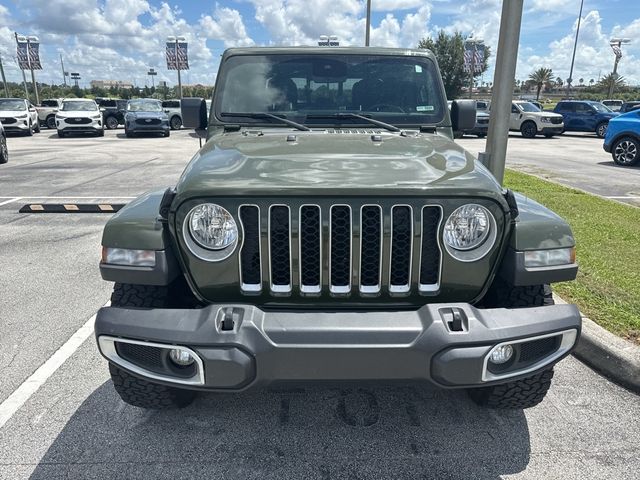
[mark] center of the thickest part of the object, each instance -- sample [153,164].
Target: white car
[19,115]
[79,115]
[529,120]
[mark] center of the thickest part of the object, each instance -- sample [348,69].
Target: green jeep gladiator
[330,230]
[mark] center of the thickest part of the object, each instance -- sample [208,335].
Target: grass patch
[607,234]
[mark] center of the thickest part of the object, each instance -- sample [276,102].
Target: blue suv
[623,139]
[585,116]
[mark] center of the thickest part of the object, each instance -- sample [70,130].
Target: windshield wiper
[339,115]
[299,126]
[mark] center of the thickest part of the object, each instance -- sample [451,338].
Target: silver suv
[172,109]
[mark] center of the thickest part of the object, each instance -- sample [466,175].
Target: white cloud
[391,5]
[227,25]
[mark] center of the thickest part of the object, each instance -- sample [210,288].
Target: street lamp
[473,43]
[176,40]
[152,73]
[75,77]
[616,45]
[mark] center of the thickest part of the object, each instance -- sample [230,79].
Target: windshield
[528,107]
[79,106]
[144,106]
[9,104]
[600,108]
[403,90]
[49,103]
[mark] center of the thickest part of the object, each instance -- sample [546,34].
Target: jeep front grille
[340,249]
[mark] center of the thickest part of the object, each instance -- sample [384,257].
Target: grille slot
[340,249]
[370,248]
[280,248]
[147,357]
[310,249]
[430,257]
[401,244]
[250,264]
[537,349]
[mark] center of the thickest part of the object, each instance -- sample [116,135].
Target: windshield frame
[85,102]
[13,101]
[600,107]
[405,120]
[528,109]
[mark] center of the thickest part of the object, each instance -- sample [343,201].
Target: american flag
[473,55]
[183,57]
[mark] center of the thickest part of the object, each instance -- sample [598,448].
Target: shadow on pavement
[311,433]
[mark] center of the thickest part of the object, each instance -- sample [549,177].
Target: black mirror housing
[463,115]
[194,113]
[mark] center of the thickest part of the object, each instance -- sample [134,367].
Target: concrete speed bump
[71,208]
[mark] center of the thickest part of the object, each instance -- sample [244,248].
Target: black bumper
[267,346]
[552,130]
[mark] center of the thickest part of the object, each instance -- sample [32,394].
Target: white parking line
[13,199]
[623,197]
[31,385]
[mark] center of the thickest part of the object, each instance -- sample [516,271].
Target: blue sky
[121,39]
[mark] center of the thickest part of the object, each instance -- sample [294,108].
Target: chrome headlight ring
[475,221]
[210,232]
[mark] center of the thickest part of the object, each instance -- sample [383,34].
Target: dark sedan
[145,115]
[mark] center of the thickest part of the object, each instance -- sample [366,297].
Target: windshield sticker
[418,69]
[425,108]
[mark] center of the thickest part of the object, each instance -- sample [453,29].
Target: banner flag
[182,57]
[473,55]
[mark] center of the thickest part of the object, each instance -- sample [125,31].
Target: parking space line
[31,385]
[623,197]
[7,202]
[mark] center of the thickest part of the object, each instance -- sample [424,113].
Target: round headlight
[468,227]
[212,227]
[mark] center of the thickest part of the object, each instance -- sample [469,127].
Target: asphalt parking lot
[75,425]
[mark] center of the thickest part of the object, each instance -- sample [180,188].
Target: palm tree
[541,78]
[610,82]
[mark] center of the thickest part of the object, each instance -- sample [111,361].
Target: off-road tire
[601,129]
[525,393]
[134,390]
[503,295]
[529,129]
[51,122]
[4,151]
[141,393]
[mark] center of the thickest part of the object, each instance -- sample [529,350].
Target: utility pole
[496,149]
[64,73]
[4,80]
[33,75]
[575,47]
[367,36]
[616,45]
[24,79]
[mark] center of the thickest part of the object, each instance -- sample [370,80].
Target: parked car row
[19,115]
[114,111]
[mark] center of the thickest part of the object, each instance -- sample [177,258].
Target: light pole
[152,73]
[616,45]
[367,36]
[75,77]
[472,42]
[65,74]
[575,47]
[175,41]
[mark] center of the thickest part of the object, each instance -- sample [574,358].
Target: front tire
[529,129]
[37,127]
[176,122]
[51,122]
[601,129]
[519,394]
[29,132]
[526,392]
[100,133]
[61,134]
[134,390]
[4,151]
[111,123]
[626,152]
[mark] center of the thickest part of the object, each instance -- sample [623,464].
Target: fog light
[181,357]
[501,354]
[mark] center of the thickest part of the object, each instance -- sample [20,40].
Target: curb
[615,358]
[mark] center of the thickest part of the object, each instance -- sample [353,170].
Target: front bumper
[135,127]
[556,130]
[264,347]
[21,125]
[95,125]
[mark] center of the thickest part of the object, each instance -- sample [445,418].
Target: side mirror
[194,114]
[463,115]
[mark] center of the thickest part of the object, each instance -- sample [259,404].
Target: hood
[78,113]
[12,113]
[160,115]
[333,164]
[610,114]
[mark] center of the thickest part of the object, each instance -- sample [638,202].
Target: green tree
[610,82]
[449,50]
[541,78]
